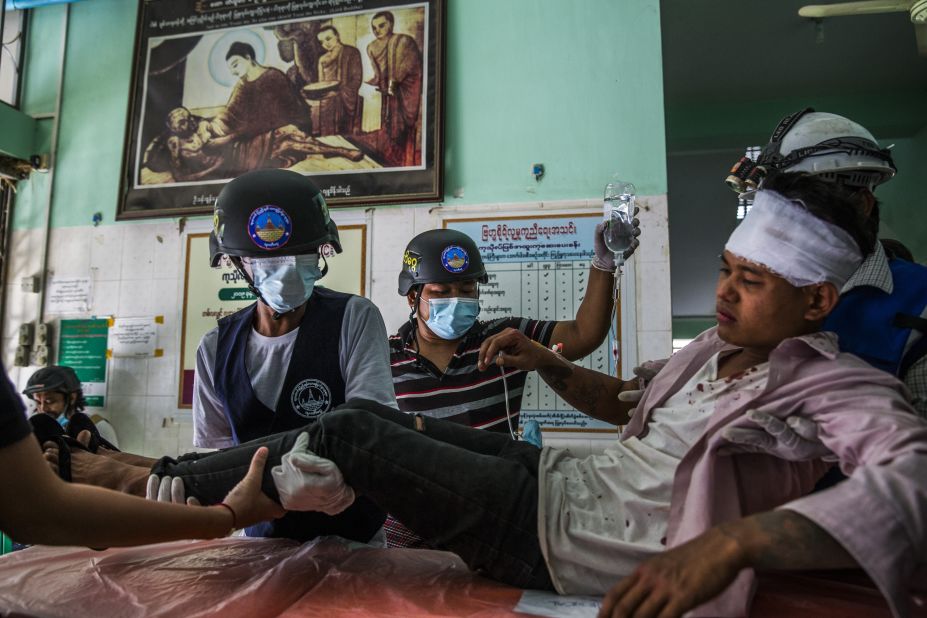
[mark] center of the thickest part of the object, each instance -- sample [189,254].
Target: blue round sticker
[455,259]
[269,227]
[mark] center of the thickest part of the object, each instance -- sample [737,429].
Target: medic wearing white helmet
[881,315]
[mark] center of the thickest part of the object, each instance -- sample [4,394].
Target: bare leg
[316,147]
[101,471]
[128,458]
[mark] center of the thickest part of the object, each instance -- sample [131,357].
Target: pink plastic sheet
[268,578]
[245,577]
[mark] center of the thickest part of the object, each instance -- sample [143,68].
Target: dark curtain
[166,69]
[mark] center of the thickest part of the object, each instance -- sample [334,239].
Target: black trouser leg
[470,491]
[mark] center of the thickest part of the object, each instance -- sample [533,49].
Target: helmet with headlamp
[826,145]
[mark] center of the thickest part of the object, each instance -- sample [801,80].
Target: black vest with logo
[313,386]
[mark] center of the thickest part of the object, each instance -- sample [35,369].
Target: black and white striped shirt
[462,394]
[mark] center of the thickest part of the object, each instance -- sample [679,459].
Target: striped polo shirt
[462,394]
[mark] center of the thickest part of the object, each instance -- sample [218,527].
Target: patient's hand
[679,579]
[794,439]
[511,348]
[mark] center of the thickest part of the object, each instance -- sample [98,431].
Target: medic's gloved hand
[644,373]
[604,258]
[795,439]
[168,489]
[307,482]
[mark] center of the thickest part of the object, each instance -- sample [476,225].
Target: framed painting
[349,92]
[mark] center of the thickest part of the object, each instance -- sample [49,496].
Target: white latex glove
[795,439]
[644,373]
[168,489]
[307,482]
[604,258]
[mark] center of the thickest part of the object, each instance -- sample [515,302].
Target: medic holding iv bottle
[619,215]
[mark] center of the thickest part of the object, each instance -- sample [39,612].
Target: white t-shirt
[600,517]
[363,358]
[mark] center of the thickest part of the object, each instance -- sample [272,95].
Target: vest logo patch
[310,398]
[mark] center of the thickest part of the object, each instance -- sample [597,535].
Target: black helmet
[270,212]
[56,378]
[440,256]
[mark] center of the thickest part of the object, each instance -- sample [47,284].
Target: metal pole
[53,162]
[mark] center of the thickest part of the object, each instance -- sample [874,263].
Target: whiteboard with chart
[538,268]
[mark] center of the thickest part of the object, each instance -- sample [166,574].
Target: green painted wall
[904,199]
[93,114]
[574,85]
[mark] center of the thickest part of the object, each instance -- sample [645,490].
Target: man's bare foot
[128,458]
[101,471]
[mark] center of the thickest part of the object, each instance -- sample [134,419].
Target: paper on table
[541,603]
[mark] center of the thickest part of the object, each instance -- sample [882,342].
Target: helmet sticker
[270,227]
[455,259]
[327,250]
[410,260]
[217,226]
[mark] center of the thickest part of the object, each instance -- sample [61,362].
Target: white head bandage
[794,244]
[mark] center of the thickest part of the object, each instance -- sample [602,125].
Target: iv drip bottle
[619,213]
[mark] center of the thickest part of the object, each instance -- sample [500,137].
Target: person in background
[57,392]
[882,314]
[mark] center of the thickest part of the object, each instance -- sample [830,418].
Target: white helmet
[827,145]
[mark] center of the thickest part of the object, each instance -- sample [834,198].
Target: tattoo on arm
[584,394]
[555,375]
[786,540]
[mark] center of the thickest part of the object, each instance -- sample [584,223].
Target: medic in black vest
[274,227]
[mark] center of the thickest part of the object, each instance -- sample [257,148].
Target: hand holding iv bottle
[620,238]
[619,213]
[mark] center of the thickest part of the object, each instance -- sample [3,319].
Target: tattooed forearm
[588,391]
[556,375]
[786,540]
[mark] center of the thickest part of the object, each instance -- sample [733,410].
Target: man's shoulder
[208,341]
[362,308]
[497,325]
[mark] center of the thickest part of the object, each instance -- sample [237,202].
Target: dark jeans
[469,491]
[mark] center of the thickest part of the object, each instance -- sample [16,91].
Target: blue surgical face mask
[285,282]
[451,318]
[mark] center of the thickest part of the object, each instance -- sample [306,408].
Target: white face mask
[285,282]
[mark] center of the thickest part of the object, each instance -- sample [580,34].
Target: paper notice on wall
[69,295]
[82,347]
[136,337]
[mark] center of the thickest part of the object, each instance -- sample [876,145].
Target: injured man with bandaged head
[666,519]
